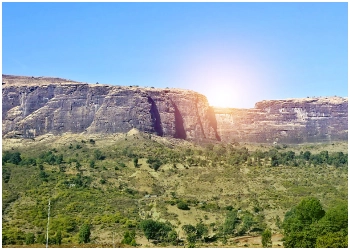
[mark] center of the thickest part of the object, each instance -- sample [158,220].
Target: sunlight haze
[234,53]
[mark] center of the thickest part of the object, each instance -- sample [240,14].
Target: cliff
[286,121]
[36,106]
[33,106]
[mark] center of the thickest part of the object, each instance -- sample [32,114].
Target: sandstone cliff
[286,121]
[33,106]
[36,106]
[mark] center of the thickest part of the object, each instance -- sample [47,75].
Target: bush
[59,237]
[92,163]
[122,164]
[182,205]
[30,239]
[129,238]
[98,155]
[84,234]
[14,157]
[266,238]
[155,230]
[136,161]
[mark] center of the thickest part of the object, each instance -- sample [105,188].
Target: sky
[234,53]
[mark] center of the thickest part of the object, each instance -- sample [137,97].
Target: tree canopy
[308,225]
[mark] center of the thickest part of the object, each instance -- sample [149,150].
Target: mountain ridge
[34,106]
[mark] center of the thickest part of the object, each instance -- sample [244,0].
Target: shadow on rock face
[180,132]
[155,117]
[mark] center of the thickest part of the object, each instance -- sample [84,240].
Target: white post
[113,241]
[47,229]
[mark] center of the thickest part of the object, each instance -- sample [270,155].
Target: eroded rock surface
[36,106]
[286,121]
[33,106]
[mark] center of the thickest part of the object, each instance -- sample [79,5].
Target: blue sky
[234,53]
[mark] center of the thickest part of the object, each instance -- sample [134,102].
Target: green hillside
[143,190]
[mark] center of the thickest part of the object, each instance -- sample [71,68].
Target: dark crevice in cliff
[213,122]
[180,132]
[199,119]
[155,117]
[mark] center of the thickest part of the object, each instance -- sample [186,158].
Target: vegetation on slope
[141,189]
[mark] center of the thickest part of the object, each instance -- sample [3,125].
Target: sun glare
[220,98]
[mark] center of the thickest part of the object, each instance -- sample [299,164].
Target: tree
[335,219]
[59,159]
[309,210]
[266,238]
[195,233]
[189,229]
[41,239]
[77,165]
[84,234]
[247,222]
[307,155]
[274,161]
[191,236]
[129,238]
[98,155]
[332,240]
[278,221]
[59,237]
[14,157]
[182,205]
[230,222]
[136,161]
[30,238]
[300,223]
[173,237]
[155,230]
[201,230]
[92,163]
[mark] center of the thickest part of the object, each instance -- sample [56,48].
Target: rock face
[286,121]
[35,106]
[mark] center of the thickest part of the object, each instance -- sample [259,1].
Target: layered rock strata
[286,121]
[33,106]
[36,106]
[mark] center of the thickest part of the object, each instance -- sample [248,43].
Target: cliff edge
[33,106]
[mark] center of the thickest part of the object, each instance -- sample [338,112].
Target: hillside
[114,182]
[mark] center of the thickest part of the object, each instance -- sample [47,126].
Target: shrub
[182,205]
[136,161]
[30,239]
[155,230]
[59,237]
[129,238]
[14,157]
[92,163]
[84,234]
[98,155]
[266,238]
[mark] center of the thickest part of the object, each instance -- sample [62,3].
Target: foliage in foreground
[308,225]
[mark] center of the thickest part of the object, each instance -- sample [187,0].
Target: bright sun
[220,98]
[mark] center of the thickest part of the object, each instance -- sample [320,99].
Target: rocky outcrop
[36,106]
[33,106]
[286,121]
